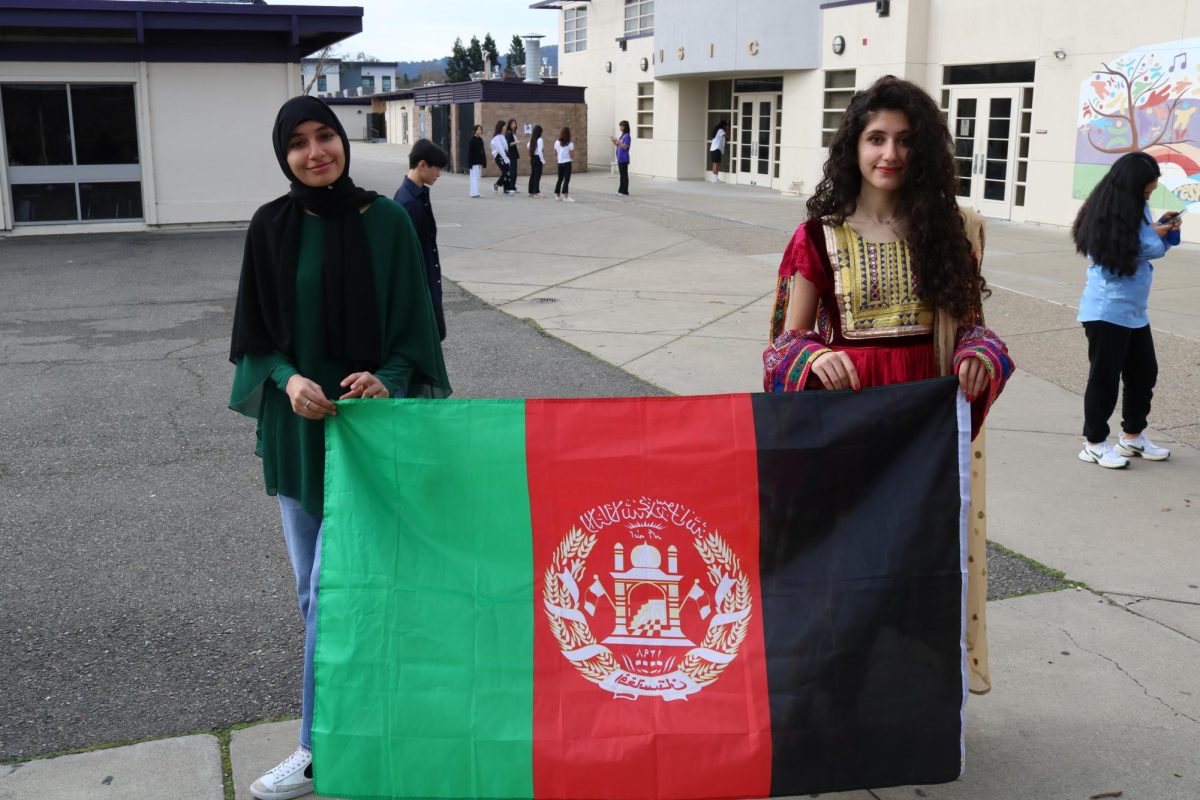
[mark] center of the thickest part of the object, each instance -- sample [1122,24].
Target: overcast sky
[405,30]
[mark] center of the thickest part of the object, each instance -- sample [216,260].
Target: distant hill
[414,68]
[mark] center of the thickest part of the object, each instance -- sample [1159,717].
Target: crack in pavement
[1113,661]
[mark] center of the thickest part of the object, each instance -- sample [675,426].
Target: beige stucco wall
[210,133]
[204,135]
[353,119]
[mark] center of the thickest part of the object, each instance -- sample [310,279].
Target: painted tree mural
[1145,99]
[1141,97]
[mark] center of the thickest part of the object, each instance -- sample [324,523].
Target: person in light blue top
[1118,234]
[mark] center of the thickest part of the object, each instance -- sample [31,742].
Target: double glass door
[984,125]
[755,138]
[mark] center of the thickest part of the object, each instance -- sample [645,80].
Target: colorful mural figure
[1146,99]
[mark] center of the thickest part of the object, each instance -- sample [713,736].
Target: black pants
[535,175]
[623,168]
[502,181]
[512,174]
[563,184]
[1117,354]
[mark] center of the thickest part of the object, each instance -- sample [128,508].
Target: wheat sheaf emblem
[699,667]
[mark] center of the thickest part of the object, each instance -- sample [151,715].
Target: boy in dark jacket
[425,161]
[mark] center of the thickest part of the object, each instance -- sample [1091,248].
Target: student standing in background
[537,160]
[476,159]
[1115,230]
[425,164]
[500,153]
[622,144]
[564,148]
[514,154]
[717,149]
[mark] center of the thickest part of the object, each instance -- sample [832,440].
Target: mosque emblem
[666,605]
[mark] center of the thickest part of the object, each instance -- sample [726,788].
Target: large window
[322,84]
[72,151]
[387,83]
[574,30]
[639,17]
[839,90]
[368,84]
[645,113]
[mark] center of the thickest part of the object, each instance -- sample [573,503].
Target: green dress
[292,447]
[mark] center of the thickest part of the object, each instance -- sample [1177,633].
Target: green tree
[475,53]
[516,53]
[458,67]
[489,47]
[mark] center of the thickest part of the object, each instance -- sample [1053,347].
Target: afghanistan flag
[682,597]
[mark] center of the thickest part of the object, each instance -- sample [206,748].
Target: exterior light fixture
[839,45]
[644,64]
[1060,54]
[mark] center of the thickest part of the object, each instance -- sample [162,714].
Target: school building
[1040,96]
[118,115]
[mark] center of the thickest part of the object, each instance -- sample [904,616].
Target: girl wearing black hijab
[332,304]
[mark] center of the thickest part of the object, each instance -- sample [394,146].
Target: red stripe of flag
[620,710]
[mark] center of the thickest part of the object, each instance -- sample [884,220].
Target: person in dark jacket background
[425,161]
[476,159]
[514,154]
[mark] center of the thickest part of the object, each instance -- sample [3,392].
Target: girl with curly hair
[1114,230]
[882,285]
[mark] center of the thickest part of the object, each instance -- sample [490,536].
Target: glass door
[755,155]
[984,125]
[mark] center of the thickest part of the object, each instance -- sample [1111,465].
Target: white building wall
[204,136]
[354,119]
[611,96]
[205,169]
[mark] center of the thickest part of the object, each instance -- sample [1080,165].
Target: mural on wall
[1145,99]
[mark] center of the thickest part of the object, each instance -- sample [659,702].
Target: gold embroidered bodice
[875,287]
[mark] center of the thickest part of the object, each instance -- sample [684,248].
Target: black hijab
[263,319]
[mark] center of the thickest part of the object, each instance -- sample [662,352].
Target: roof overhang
[557,3]
[120,30]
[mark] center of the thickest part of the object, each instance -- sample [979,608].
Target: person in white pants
[476,159]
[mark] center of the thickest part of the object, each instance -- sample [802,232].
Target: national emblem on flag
[655,645]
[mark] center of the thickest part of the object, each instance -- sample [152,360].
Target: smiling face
[883,150]
[315,154]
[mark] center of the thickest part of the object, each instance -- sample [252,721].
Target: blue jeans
[302,534]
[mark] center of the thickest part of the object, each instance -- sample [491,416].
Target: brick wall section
[552,117]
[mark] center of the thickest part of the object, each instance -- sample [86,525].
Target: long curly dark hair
[947,274]
[1109,222]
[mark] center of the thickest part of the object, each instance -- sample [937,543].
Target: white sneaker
[1142,447]
[568,199]
[291,778]
[1102,454]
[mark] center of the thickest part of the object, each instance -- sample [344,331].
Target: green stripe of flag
[414,481]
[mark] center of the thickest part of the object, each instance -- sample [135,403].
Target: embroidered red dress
[869,308]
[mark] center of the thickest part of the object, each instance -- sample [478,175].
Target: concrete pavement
[1097,689]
